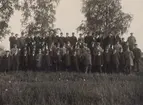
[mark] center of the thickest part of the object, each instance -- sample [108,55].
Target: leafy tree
[38,16]
[7,8]
[104,17]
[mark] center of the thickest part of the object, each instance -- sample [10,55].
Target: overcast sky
[69,17]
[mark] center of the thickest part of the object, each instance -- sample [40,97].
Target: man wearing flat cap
[132,41]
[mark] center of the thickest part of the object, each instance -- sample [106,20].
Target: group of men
[89,53]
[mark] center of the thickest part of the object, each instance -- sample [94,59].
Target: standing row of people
[88,53]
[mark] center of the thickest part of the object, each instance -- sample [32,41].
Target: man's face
[121,50]
[16,35]
[136,46]
[110,34]
[99,53]
[98,44]
[25,52]
[40,51]
[61,34]
[7,53]
[15,46]
[22,34]
[67,34]
[131,34]
[33,52]
[106,50]
[12,34]
[72,34]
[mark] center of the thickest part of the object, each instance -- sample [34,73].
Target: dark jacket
[87,59]
[39,60]
[89,40]
[98,60]
[5,62]
[73,40]
[115,58]
[137,53]
[107,57]
[32,61]
[108,40]
[67,60]
[13,41]
[46,60]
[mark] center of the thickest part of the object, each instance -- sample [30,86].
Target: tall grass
[39,88]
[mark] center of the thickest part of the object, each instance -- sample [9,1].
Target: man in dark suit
[137,55]
[73,39]
[12,40]
[99,62]
[5,62]
[87,61]
[32,61]
[47,61]
[122,61]
[48,40]
[25,60]
[67,38]
[115,61]
[67,61]
[108,40]
[39,59]
[129,60]
[56,39]
[89,39]
[116,38]
[61,39]
[75,63]
[107,61]
[17,40]
[21,40]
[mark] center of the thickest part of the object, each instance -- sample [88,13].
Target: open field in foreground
[39,88]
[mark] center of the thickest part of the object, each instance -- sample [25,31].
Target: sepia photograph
[71,52]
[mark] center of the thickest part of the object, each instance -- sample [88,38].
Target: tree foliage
[104,16]
[38,16]
[7,8]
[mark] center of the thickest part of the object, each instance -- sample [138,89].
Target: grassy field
[39,88]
